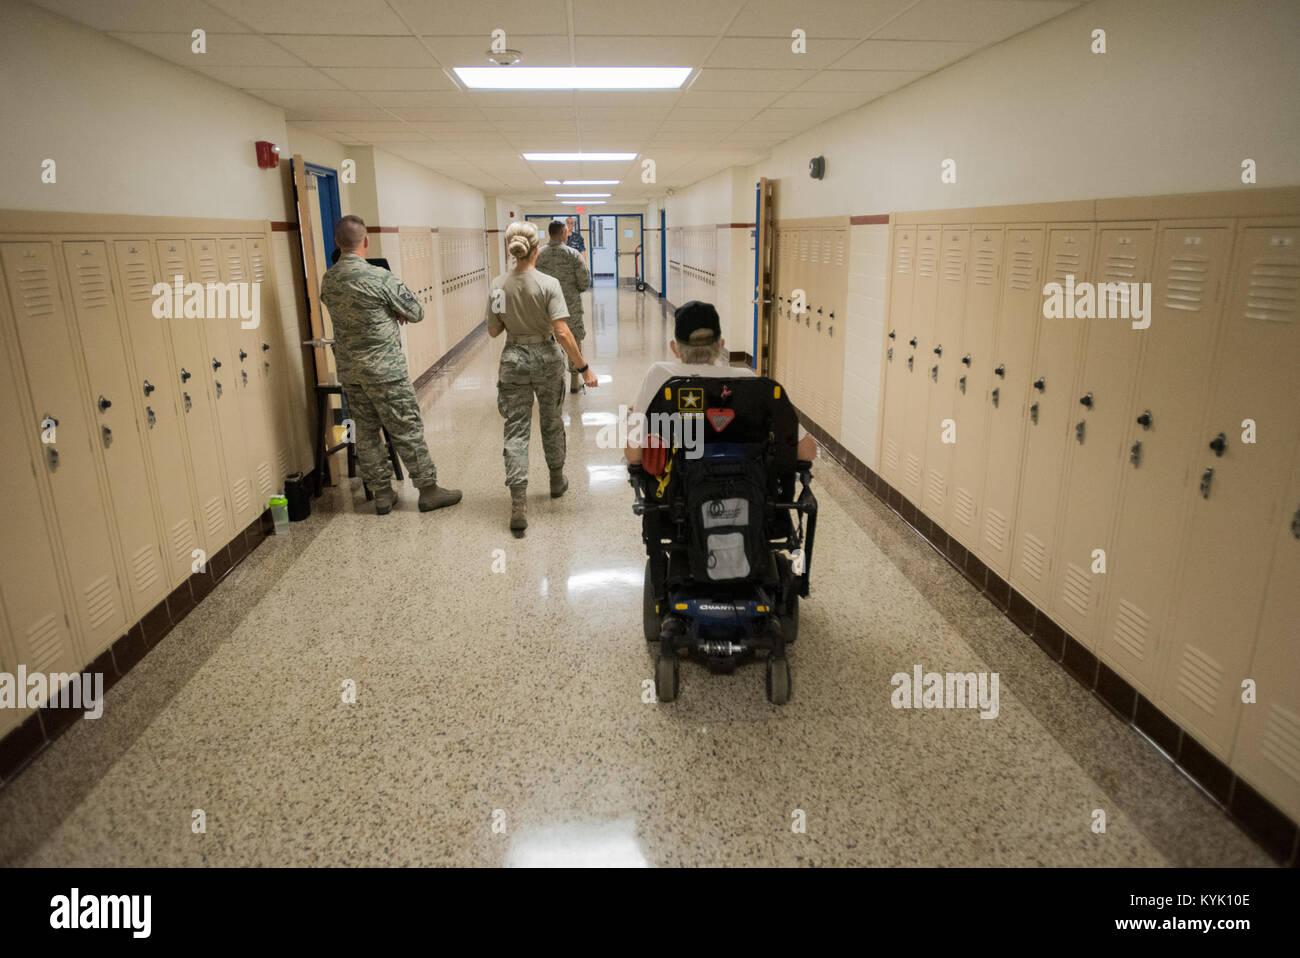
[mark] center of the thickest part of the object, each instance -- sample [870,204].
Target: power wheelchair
[728,557]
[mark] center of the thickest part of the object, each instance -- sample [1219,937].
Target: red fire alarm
[268,155]
[581,210]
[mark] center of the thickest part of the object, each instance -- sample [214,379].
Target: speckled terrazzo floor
[515,697]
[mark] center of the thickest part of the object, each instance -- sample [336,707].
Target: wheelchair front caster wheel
[778,681]
[666,677]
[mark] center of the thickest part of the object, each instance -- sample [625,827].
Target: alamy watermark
[84,691]
[678,430]
[1086,300]
[946,690]
[208,301]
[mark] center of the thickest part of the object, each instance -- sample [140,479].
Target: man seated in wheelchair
[713,454]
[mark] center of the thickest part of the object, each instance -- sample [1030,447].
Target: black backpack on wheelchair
[728,557]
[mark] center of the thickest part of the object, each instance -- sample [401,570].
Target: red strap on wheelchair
[654,456]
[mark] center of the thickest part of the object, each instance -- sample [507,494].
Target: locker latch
[889,354]
[1033,414]
[1206,478]
[1219,445]
[912,342]
[218,385]
[934,373]
[103,403]
[265,347]
[909,364]
[149,387]
[243,373]
[1086,401]
[242,355]
[52,455]
[108,436]
[965,360]
[1001,371]
[938,350]
[961,384]
[1135,454]
[152,419]
[1040,384]
[185,375]
[216,364]
[994,397]
[1144,420]
[266,366]
[1078,430]
[188,402]
[891,334]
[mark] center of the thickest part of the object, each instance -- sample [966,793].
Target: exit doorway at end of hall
[603,229]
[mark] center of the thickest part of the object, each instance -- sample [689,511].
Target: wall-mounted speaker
[817,167]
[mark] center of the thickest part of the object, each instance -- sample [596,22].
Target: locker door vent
[1076,589]
[256,262]
[963,506]
[826,250]
[1066,263]
[207,264]
[264,479]
[98,599]
[1022,270]
[43,644]
[241,496]
[214,514]
[929,261]
[183,543]
[234,263]
[144,569]
[93,285]
[173,264]
[839,247]
[903,261]
[282,463]
[912,473]
[1185,284]
[1132,629]
[985,266]
[891,455]
[139,282]
[995,529]
[937,490]
[37,291]
[1199,678]
[1033,557]
[1274,285]
[952,263]
[1280,743]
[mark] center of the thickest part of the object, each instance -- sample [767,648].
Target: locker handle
[961,384]
[52,456]
[108,436]
[218,385]
[1040,384]
[1206,478]
[265,347]
[185,375]
[1079,428]
[1001,371]
[934,373]
[1144,420]
[1219,444]
[819,323]
[188,401]
[103,403]
[216,364]
[149,415]
[242,355]
[966,360]
[994,396]
[1135,454]
[889,354]
[1086,401]
[909,364]
[938,350]
[149,387]
[1033,414]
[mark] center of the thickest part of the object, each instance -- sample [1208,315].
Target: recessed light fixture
[573,78]
[578,157]
[582,202]
[583,194]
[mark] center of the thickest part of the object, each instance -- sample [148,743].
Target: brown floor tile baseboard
[1259,818]
[43,726]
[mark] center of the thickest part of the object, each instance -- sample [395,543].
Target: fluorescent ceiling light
[583,194]
[584,183]
[554,183]
[582,202]
[578,157]
[573,78]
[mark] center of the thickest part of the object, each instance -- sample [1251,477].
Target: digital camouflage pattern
[393,406]
[560,261]
[525,372]
[364,301]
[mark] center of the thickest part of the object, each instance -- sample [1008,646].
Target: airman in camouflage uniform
[367,303]
[565,264]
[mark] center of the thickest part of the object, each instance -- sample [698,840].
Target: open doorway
[604,247]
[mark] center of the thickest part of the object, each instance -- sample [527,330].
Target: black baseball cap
[691,319]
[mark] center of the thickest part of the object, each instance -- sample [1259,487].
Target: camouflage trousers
[528,371]
[579,331]
[391,405]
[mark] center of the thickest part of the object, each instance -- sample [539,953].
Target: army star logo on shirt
[690,399]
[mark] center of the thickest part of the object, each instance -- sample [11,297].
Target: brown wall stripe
[870,219]
[283,226]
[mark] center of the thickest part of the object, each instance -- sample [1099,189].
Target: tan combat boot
[558,484]
[519,507]
[436,497]
[385,499]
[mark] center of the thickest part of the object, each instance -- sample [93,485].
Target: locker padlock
[1206,478]
[185,375]
[1001,371]
[188,402]
[1033,414]
[242,355]
[218,385]
[1086,401]
[938,350]
[150,417]
[934,373]
[108,436]
[1135,454]
[1078,431]
[994,397]
[216,364]
[149,387]
[1144,420]
[1219,444]
[961,384]
[965,360]
[52,456]
[912,342]
[1040,384]
[103,403]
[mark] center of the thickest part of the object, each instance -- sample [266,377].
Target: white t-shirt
[660,373]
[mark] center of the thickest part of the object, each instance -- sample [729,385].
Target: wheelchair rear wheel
[778,681]
[666,677]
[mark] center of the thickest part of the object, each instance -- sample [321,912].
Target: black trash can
[299,496]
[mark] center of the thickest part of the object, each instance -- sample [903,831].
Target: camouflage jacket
[364,302]
[564,264]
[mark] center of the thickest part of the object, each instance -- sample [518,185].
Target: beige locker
[835,258]
[1051,413]
[902,267]
[157,405]
[267,344]
[191,377]
[1022,305]
[1163,433]
[113,411]
[925,295]
[972,366]
[813,391]
[221,376]
[45,341]
[1267,748]
[799,341]
[780,305]
[31,600]
[942,362]
[1093,468]
[1238,489]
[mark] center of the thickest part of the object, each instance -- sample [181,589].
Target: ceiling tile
[642,51]
[349,17]
[223,49]
[426,114]
[479,18]
[984,21]
[822,100]
[472,51]
[779,81]
[322,51]
[268,78]
[861,81]
[390,78]
[660,18]
[726,99]
[415,99]
[721,118]
[147,16]
[824,18]
[748,51]
[920,55]
[307,101]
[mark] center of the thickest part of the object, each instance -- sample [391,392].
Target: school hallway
[506,688]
